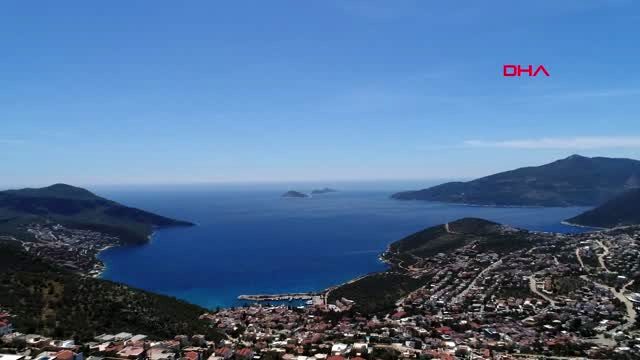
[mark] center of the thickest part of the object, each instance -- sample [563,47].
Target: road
[632,315]
[534,289]
[464,292]
[446,227]
[579,258]
[601,256]
[631,310]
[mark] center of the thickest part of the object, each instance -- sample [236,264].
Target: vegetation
[76,208]
[620,211]
[378,292]
[489,235]
[52,301]
[576,180]
[568,284]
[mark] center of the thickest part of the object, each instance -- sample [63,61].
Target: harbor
[312,298]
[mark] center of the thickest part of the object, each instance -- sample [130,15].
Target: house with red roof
[224,352]
[244,354]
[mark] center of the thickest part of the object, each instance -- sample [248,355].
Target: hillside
[51,301]
[573,181]
[379,292]
[622,210]
[448,237]
[76,208]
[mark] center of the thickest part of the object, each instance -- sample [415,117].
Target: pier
[316,297]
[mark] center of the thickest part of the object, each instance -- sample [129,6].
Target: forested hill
[620,211]
[453,235]
[78,208]
[48,300]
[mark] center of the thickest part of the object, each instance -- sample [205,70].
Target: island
[623,210]
[573,181]
[70,225]
[323,191]
[294,194]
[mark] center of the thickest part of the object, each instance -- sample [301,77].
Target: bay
[250,240]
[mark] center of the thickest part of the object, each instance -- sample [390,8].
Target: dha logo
[518,70]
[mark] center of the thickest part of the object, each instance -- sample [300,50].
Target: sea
[250,240]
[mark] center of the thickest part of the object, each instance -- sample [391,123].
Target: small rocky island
[323,191]
[295,194]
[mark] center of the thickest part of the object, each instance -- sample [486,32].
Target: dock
[317,298]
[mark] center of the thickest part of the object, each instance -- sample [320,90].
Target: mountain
[76,208]
[323,191]
[48,300]
[295,194]
[622,210]
[574,181]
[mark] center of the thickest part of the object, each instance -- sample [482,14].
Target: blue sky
[123,92]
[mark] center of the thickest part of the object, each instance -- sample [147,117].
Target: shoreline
[594,228]
[323,293]
[103,266]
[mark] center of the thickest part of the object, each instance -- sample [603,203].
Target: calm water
[253,241]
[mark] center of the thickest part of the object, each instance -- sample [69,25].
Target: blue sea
[250,240]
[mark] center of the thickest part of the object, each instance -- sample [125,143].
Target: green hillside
[76,208]
[620,211]
[448,237]
[51,301]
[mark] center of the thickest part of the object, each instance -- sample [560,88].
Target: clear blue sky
[118,92]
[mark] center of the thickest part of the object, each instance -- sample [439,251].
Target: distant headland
[573,181]
[70,225]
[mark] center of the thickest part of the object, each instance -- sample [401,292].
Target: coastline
[384,256]
[102,266]
[594,228]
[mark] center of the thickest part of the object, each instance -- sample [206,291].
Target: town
[560,296]
[73,249]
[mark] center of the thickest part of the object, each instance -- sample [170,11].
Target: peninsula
[573,181]
[70,225]
[623,210]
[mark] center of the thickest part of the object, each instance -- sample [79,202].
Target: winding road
[632,315]
[579,258]
[534,289]
[601,256]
